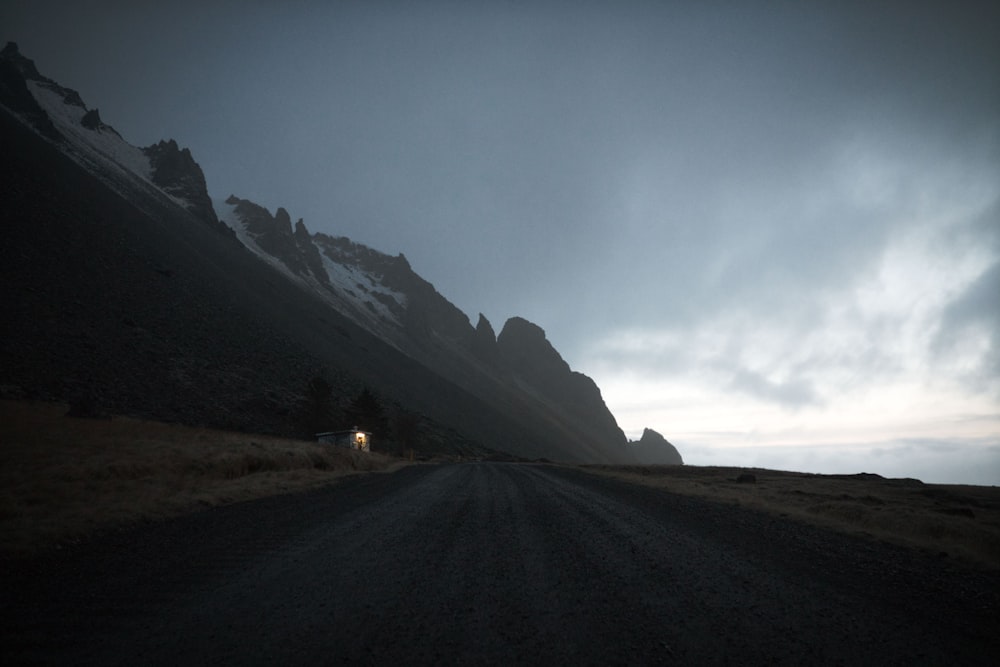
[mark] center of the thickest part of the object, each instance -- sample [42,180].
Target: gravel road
[490,563]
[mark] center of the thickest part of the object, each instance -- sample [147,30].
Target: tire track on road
[491,563]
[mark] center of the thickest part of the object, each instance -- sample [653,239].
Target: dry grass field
[63,478]
[960,521]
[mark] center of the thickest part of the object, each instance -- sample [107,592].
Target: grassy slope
[957,520]
[63,478]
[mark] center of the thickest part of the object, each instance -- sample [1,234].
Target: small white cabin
[351,439]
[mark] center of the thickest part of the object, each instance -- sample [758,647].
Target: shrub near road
[62,478]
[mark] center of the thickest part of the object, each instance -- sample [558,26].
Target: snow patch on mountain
[365,289]
[351,289]
[97,146]
[103,141]
[228,216]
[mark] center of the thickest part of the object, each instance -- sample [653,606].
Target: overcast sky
[769,231]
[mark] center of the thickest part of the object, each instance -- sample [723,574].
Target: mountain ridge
[384,294]
[547,410]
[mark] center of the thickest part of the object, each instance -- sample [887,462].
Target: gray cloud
[976,310]
[790,393]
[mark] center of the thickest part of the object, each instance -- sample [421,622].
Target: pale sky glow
[863,370]
[769,231]
[865,373]
[854,363]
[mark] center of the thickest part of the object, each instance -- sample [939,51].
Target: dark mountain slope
[164,317]
[120,288]
[385,296]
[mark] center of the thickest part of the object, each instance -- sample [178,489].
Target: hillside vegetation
[64,478]
[949,520]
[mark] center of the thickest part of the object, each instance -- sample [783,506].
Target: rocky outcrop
[429,316]
[527,353]
[175,172]
[484,343]
[15,71]
[273,234]
[25,67]
[310,253]
[92,120]
[653,449]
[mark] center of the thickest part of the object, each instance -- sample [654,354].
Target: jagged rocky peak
[526,349]
[170,162]
[484,329]
[428,314]
[303,239]
[246,208]
[484,342]
[653,449]
[651,437]
[283,220]
[258,221]
[273,235]
[91,120]
[24,66]
[302,234]
[174,170]
[15,71]
[345,251]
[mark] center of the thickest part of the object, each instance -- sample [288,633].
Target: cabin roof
[346,431]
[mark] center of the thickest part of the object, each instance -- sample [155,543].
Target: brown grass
[958,520]
[63,478]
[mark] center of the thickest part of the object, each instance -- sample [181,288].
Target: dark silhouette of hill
[124,290]
[653,449]
[165,317]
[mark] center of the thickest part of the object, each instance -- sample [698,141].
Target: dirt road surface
[489,563]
